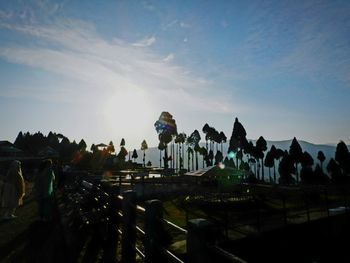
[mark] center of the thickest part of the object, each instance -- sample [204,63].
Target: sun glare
[129,112]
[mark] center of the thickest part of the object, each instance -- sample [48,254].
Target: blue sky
[103,70]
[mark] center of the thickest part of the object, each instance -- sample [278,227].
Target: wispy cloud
[185,25]
[169,25]
[145,42]
[305,39]
[169,57]
[73,49]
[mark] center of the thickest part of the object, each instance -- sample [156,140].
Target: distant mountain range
[152,154]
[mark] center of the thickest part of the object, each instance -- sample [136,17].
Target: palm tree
[144,147]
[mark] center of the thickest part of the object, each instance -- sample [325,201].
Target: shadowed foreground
[26,239]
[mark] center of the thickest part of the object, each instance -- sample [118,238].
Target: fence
[114,225]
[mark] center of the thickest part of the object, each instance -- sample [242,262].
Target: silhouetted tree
[122,143]
[206,131]
[93,148]
[181,140]
[189,156]
[134,155]
[193,140]
[269,162]
[204,153]
[82,145]
[20,142]
[161,147]
[321,157]
[110,147]
[166,129]
[296,152]
[122,154]
[223,139]
[285,169]
[334,171]
[238,138]
[218,157]
[342,156]
[306,173]
[261,147]
[319,176]
[273,152]
[149,163]
[144,147]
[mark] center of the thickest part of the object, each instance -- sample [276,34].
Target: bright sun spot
[129,112]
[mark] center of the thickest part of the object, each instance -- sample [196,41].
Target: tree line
[291,166]
[245,155]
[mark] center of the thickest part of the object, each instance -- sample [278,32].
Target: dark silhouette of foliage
[189,157]
[166,129]
[93,148]
[261,147]
[204,153]
[122,154]
[319,176]
[193,140]
[144,147]
[334,171]
[110,147]
[206,131]
[218,157]
[82,145]
[321,157]
[342,156]
[296,152]
[181,139]
[149,163]
[269,162]
[238,138]
[223,139]
[122,143]
[134,155]
[161,148]
[285,169]
[306,172]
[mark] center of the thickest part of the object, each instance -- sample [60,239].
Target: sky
[105,70]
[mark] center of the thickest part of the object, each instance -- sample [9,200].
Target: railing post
[112,238]
[129,227]
[153,224]
[200,236]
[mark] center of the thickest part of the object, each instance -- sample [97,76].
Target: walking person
[44,187]
[13,190]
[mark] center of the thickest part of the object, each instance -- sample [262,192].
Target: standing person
[13,190]
[44,184]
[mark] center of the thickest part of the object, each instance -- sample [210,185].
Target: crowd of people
[13,190]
